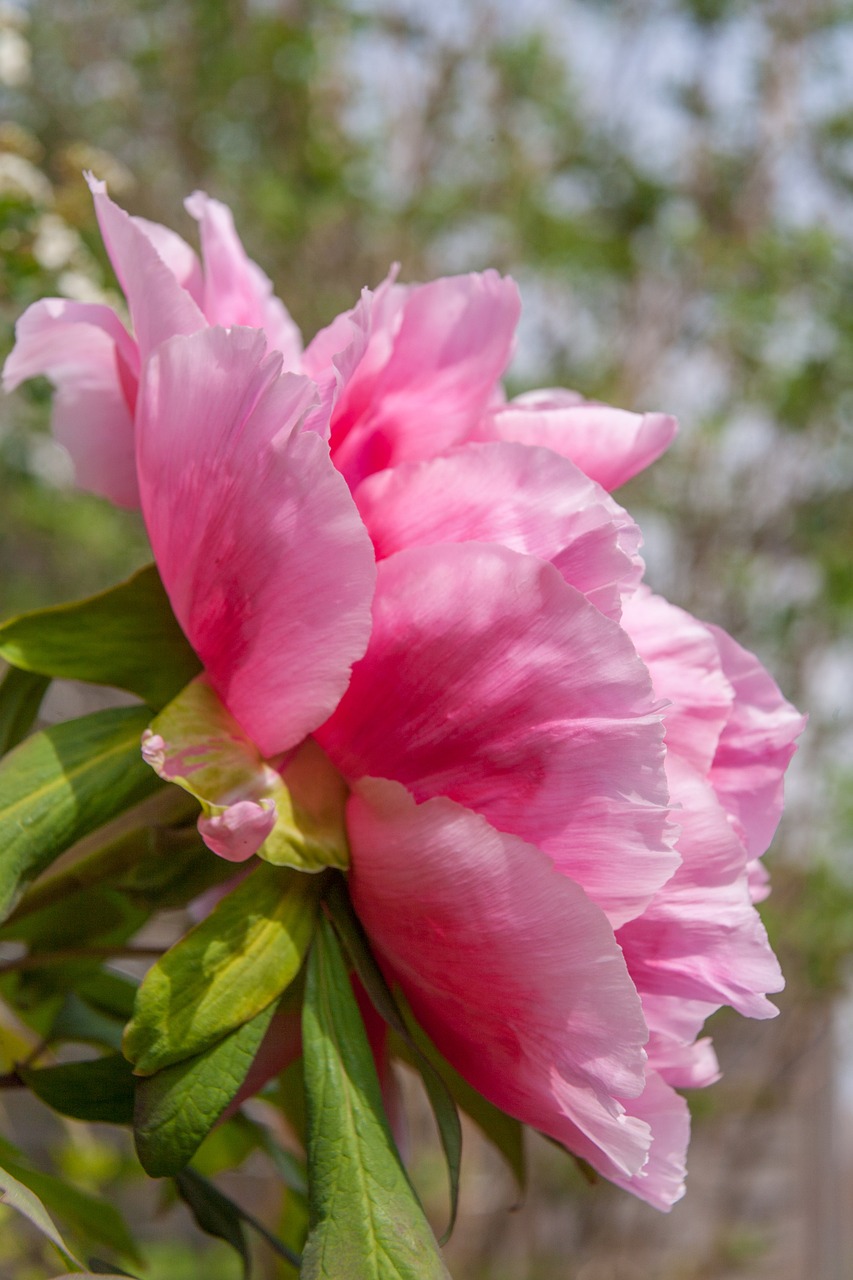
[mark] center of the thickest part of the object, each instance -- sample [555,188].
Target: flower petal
[236,290]
[700,937]
[684,661]
[88,355]
[267,564]
[447,346]
[610,445]
[521,497]
[489,680]
[507,965]
[159,306]
[661,1180]
[755,747]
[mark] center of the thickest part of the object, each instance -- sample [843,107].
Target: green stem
[46,959]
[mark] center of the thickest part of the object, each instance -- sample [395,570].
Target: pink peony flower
[557,785]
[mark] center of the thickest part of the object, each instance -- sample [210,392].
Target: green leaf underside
[366,1222]
[226,970]
[21,694]
[63,783]
[441,1097]
[220,1216]
[99,1090]
[126,637]
[177,1107]
[207,754]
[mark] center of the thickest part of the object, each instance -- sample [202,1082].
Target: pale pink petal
[610,445]
[661,1180]
[524,498]
[491,681]
[334,356]
[159,307]
[450,344]
[239,832]
[684,1066]
[507,965]
[755,747]
[91,360]
[267,564]
[701,937]
[236,290]
[179,257]
[676,1018]
[684,661]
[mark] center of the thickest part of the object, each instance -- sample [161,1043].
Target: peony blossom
[419,598]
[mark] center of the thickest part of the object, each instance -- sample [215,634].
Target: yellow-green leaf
[225,970]
[126,637]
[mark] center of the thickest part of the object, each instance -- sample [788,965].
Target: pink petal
[491,681]
[267,564]
[684,661]
[335,356]
[159,307]
[92,361]
[179,257]
[701,937]
[446,348]
[507,965]
[755,748]
[236,290]
[610,445]
[684,1066]
[661,1180]
[239,832]
[523,498]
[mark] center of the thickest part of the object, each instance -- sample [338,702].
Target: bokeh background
[671,183]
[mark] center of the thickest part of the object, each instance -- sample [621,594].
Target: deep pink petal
[755,748]
[610,445]
[491,681]
[267,564]
[701,937]
[684,661]
[436,352]
[91,360]
[507,965]
[159,307]
[523,498]
[236,290]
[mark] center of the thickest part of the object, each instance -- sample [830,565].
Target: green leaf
[21,694]
[220,1216]
[197,744]
[126,637]
[64,782]
[225,970]
[19,1197]
[79,1021]
[92,1218]
[177,1108]
[99,1090]
[372,979]
[366,1222]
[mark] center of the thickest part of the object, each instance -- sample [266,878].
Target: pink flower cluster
[559,785]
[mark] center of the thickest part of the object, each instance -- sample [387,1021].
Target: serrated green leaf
[63,783]
[441,1098]
[366,1222]
[21,694]
[126,637]
[24,1201]
[99,1090]
[197,744]
[177,1107]
[225,970]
